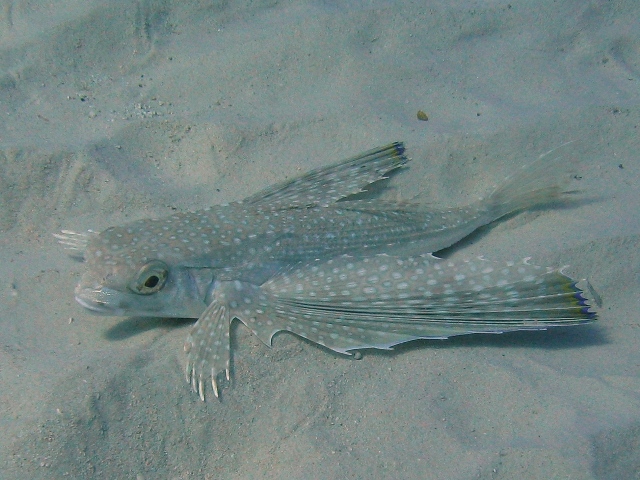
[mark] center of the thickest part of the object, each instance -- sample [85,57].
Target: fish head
[129,274]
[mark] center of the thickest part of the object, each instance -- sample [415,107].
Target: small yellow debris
[422,116]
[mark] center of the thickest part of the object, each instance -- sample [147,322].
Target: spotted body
[305,258]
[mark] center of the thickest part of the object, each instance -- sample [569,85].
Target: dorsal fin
[326,185]
[74,242]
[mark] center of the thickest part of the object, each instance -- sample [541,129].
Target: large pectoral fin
[381,301]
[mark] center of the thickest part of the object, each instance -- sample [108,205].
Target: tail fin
[541,182]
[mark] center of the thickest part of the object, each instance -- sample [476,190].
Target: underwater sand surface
[114,111]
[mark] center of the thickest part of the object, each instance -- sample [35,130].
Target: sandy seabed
[119,110]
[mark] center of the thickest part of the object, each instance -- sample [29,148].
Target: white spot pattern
[277,261]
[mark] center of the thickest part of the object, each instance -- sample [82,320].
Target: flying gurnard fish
[306,257]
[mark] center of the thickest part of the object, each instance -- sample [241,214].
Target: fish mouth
[90,299]
[96,307]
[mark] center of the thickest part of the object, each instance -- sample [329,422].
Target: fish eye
[150,278]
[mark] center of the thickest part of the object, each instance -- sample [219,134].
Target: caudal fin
[545,181]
